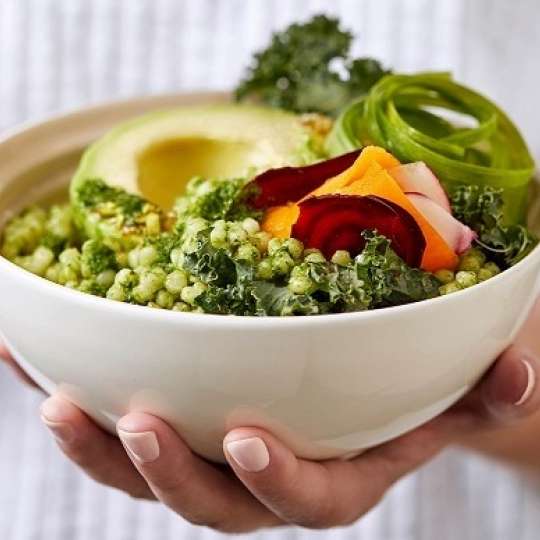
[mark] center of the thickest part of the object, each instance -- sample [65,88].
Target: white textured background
[61,54]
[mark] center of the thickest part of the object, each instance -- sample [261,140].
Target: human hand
[266,485]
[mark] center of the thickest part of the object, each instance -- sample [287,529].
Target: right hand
[266,484]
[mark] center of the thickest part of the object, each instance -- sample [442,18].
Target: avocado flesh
[156,154]
[165,168]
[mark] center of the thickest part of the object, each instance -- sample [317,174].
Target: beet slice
[333,222]
[290,184]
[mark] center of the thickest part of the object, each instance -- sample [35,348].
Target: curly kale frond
[376,278]
[298,70]
[273,299]
[212,265]
[387,277]
[482,209]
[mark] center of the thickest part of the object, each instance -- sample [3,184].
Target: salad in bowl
[311,210]
[244,210]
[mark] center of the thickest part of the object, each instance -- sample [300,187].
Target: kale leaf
[387,278]
[481,208]
[212,265]
[297,71]
[273,299]
[376,278]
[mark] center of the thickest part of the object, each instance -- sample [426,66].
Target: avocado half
[156,154]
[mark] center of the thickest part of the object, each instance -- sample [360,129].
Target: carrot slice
[278,220]
[369,156]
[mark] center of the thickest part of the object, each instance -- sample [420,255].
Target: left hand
[268,485]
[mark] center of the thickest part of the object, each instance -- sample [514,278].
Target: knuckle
[172,485]
[79,455]
[172,481]
[321,516]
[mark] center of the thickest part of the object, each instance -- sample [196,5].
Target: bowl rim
[139,311]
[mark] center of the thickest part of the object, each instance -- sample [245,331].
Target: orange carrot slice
[278,220]
[369,156]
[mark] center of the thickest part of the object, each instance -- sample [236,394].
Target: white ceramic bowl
[328,386]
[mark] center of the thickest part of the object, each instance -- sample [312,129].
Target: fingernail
[51,416]
[531,382]
[250,454]
[144,446]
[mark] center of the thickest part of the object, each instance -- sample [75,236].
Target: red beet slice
[290,184]
[333,222]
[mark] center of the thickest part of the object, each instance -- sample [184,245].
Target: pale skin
[266,485]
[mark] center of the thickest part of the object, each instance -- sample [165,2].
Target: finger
[508,392]
[306,493]
[99,454]
[200,492]
[10,361]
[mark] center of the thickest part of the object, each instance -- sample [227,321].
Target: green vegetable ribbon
[461,135]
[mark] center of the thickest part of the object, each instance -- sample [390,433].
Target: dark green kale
[387,279]
[299,69]
[336,288]
[214,199]
[228,281]
[212,265]
[376,278]
[278,300]
[94,192]
[481,208]
[233,288]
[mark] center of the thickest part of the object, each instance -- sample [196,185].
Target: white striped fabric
[61,54]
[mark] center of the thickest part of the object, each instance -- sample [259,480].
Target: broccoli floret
[298,71]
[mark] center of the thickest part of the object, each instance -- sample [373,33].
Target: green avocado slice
[156,154]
